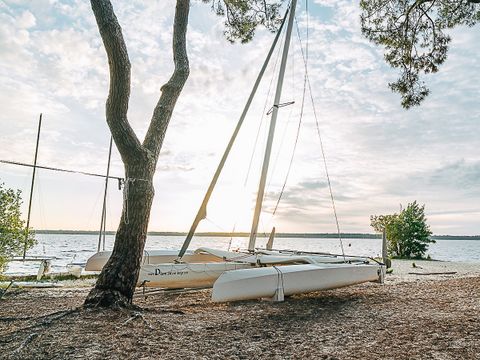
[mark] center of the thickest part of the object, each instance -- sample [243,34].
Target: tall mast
[101,234]
[202,212]
[27,229]
[271,131]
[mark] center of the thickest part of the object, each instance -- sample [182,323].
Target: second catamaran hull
[97,261]
[291,279]
[185,275]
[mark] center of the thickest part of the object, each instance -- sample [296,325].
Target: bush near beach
[13,233]
[408,233]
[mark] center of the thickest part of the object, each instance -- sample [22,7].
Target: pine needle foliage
[414,34]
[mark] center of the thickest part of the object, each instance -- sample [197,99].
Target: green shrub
[12,227]
[408,233]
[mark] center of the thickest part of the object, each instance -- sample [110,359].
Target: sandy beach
[411,316]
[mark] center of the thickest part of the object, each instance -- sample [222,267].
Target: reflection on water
[78,248]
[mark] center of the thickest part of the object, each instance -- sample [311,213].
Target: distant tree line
[245,234]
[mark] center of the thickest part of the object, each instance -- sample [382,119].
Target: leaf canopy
[414,35]
[242,17]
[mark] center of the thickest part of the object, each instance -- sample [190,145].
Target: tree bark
[116,283]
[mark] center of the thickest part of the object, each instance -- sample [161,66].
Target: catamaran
[254,273]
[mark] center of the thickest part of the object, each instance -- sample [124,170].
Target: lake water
[78,248]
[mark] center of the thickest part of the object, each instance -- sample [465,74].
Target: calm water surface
[78,248]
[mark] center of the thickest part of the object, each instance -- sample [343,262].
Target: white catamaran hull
[267,282]
[185,275]
[97,261]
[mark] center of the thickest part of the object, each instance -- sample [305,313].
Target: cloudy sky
[379,155]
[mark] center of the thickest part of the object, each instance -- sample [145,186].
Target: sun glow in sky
[379,156]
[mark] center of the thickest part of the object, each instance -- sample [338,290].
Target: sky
[379,156]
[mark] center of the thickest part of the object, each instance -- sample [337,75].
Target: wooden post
[270,240]
[27,229]
[384,247]
[103,220]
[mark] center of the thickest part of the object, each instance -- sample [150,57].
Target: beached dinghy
[275,282]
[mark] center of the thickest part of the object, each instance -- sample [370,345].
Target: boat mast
[271,131]
[27,229]
[202,212]
[101,234]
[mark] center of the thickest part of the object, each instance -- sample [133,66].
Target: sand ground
[411,316]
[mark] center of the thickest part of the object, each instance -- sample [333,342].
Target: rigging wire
[93,209]
[296,137]
[263,111]
[120,180]
[277,156]
[219,227]
[275,163]
[294,146]
[320,139]
[257,136]
[282,141]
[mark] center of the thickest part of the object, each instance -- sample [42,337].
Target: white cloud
[26,20]
[52,60]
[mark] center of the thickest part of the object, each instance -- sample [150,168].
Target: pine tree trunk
[116,283]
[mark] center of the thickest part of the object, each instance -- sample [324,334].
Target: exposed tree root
[25,342]
[37,328]
[14,318]
[108,298]
[47,319]
[138,315]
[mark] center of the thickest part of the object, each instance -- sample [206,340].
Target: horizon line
[246,234]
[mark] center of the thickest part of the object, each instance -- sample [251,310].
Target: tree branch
[171,90]
[119,92]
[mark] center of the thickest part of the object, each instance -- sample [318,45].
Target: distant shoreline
[245,234]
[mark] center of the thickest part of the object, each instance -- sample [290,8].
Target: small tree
[389,224]
[408,233]
[12,228]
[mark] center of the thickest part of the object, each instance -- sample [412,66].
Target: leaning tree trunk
[116,283]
